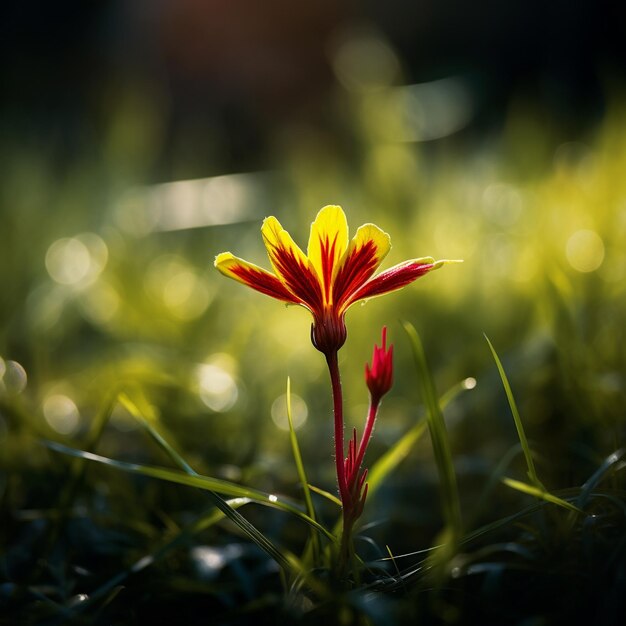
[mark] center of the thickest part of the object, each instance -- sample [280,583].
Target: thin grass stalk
[532,473]
[77,475]
[180,538]
[308,500]
[439,436]
[241,522]
[197,481]
[400,450]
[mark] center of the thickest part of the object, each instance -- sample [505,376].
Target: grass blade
[439,437]
[198,481]
[394,456]
[77,471]
[400,450]
[607,466]
[532,474]
[180,538]
[295,447]
[395,565]
[251,531]
[538,492]
[134,410]
[535,489]
[326,494]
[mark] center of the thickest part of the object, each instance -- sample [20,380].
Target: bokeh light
[140,140]
[585,250]
[76,261]
[364,62]
[299,412]
[216,384]
[61,414]
[100,302]
[13,378]
[178,286]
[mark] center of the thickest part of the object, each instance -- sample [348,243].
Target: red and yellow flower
[334,273]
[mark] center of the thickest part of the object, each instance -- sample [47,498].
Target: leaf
[400,450]
[394,456]
[439,437]
[326,494]
[198,481]
[202,523]
[146,422]
[315,544]
[607,465]
[532,474]
[542,494]
[253,533]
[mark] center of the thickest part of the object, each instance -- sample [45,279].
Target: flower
[379,377]
[333,275]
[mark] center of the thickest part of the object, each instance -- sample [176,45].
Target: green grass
[145,472]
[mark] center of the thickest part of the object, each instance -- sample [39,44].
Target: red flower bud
[379,377]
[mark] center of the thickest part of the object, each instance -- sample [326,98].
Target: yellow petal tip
[330,208]
[425,260]
[222,257]
[438,264]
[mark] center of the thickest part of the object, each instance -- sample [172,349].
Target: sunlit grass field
[124,350]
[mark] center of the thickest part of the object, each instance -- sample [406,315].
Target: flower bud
[379,377]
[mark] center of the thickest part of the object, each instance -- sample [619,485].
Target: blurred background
[140,139]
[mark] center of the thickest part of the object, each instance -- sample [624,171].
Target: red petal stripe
[264,282]
[394,278]
[354,272]
[299,279]
[328,257]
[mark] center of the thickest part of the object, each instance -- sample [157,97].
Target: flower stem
[349,497]
[335,380]
[367,433]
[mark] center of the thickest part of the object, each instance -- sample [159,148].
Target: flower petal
[327,243]
[366,251]
[253,276]
[291,265]
[394,278]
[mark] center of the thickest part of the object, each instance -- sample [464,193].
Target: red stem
[335,380]
[367,433]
